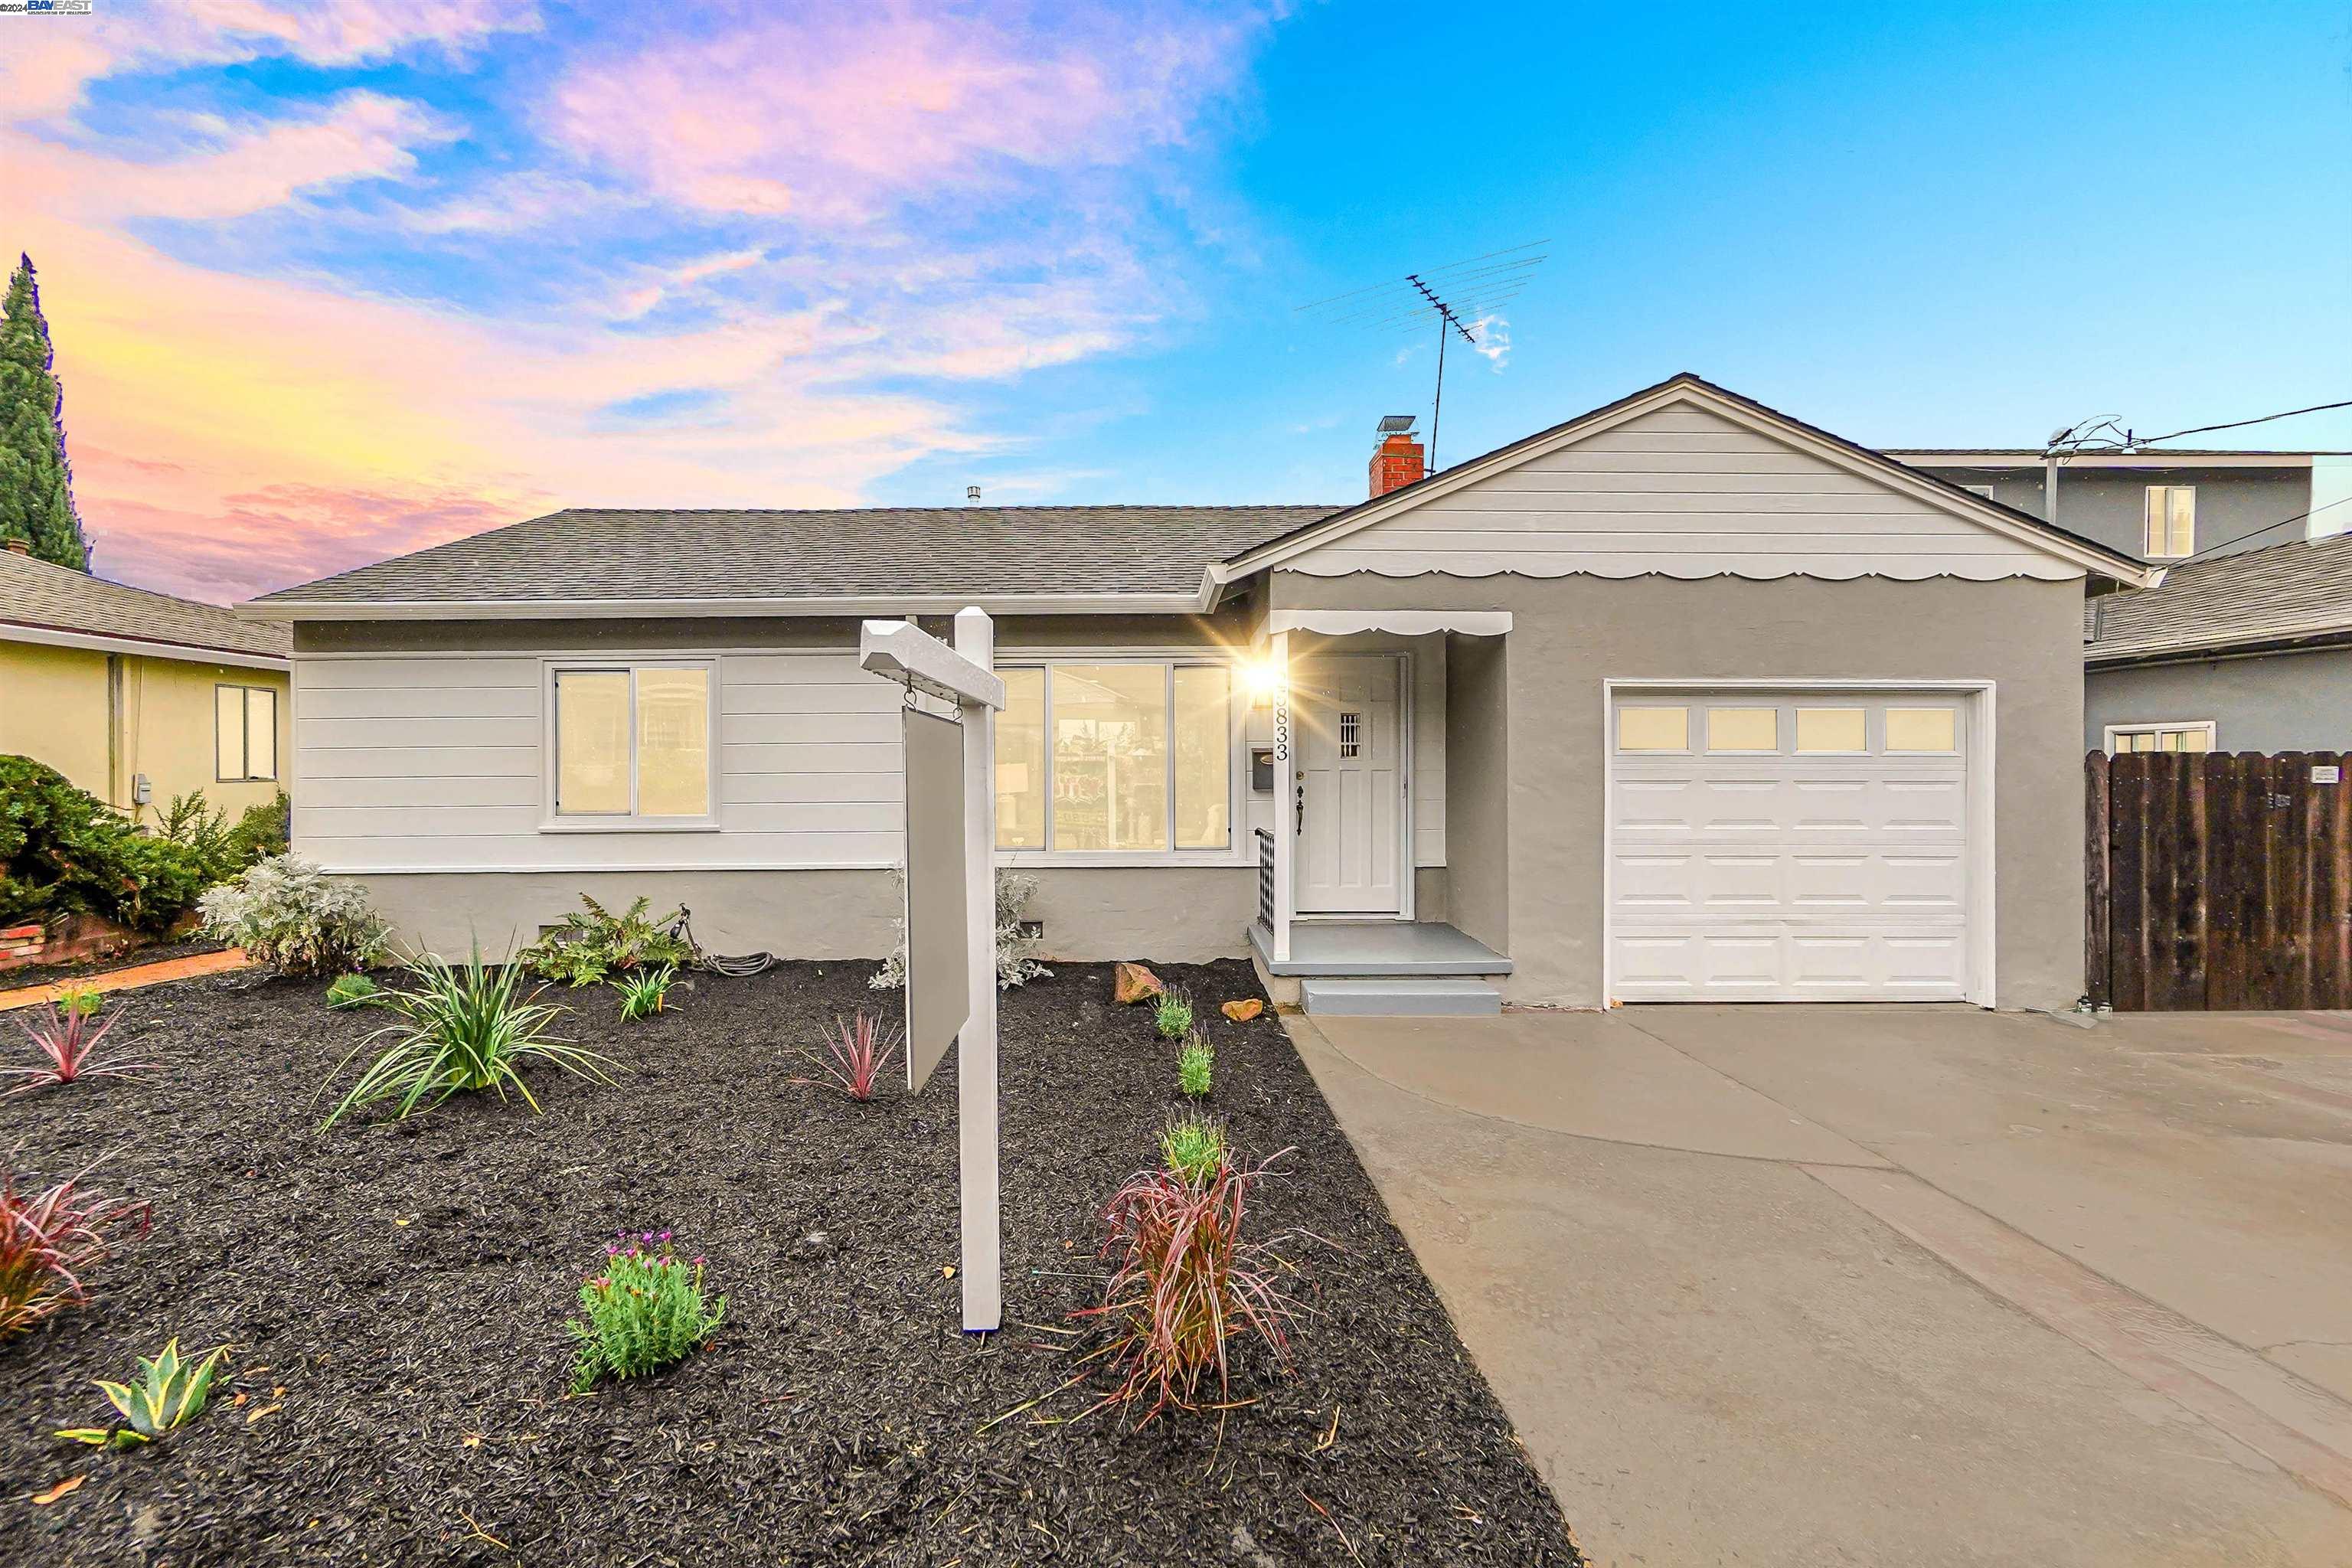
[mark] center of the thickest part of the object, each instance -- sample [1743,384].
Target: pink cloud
[830,117]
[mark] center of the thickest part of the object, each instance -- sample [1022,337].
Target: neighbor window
[245,733]
[2171,519]
[633,741]
[2191,736]
[1112,758]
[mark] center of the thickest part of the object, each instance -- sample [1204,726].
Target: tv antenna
[1462,296]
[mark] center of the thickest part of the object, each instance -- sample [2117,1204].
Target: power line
[2242,424]
[2240,538]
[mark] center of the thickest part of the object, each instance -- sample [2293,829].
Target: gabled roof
[2077,549]
[716,563]
[2285,594]
[46,604]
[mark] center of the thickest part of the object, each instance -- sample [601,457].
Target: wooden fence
[2217,880]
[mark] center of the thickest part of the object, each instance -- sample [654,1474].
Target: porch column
[1285,797]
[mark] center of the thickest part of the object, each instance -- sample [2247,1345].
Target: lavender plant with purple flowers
[644,1312]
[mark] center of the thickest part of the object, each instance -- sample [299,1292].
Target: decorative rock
[1133,982]
[1242,1011]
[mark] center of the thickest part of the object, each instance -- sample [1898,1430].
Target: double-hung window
[2168,517]
[632,744]
[245,733]
[1133,756]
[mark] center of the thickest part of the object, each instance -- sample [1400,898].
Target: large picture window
[633,742]
[245,733]
[1114,758]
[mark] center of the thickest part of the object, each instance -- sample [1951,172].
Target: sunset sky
[333,281]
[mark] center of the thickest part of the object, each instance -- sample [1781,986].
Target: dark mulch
[405,1284]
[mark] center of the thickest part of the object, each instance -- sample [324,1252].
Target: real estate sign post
[951,907]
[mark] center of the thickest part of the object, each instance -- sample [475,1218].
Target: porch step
[1401,998]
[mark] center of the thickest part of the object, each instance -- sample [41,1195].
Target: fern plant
[170,1394]
[592,944]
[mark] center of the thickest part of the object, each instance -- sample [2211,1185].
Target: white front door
[1349,790]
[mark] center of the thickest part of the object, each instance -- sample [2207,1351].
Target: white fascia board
[1885,471]
[859,606]
[145,647]
[2157,458]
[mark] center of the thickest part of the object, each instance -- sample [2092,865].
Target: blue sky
[334,281]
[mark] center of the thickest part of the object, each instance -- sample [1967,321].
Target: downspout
[116,788]
[2050,488]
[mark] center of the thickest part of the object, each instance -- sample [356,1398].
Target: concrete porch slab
[1376,950]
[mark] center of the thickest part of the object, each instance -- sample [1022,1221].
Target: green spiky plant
[1173,1015]
[644,1312]
[1195,1067]
[460,1031]
[645,992]
[353,991]
[1193,1146]
[80,1001]
[170,1394]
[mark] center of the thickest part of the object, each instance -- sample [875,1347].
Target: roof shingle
[2302,588]
[37,595]
[596,554]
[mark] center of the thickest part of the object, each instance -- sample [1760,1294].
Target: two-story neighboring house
[2247,644]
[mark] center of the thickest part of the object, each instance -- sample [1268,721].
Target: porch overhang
[1397,623]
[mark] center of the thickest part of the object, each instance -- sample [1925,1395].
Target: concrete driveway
[1884,1286]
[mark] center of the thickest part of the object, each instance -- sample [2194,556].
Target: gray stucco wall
[1572,633]
[2274,703]
[1477,785]
[2109,505]
[1174,914]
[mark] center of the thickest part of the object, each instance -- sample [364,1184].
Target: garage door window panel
[1743,729]
[1648,729]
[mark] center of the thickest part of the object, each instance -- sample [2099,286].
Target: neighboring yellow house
[139,697]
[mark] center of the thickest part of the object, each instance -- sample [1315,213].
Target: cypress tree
[36,480]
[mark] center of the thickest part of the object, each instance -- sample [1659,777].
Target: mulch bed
[405,1284]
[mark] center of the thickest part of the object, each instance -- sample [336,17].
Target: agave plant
[68,1039]
[462,1030]
[170,1392]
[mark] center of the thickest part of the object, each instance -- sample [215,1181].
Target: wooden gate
[2217,880]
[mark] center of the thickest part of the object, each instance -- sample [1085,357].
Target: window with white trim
[1114,756]
[2188,735]
[2168,517]
[632,742]
[245,734]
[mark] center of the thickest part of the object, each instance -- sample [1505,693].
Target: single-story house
[139,697]
[1682,699]
[2249,652]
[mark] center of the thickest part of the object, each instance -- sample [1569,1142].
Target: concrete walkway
[1890,1286]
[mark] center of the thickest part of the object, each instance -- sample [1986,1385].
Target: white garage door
[1788,847]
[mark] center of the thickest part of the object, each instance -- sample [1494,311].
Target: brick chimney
[1396,460]
[18,547]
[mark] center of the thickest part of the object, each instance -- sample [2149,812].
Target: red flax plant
[1186,1281]
[48,1241]
[67,1040]
[860,1048]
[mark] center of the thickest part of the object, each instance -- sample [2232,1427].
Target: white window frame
[550,769]
[2148,499]
[1235,851]
[245,733]
[2160,728]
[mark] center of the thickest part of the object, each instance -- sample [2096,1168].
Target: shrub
[1186,1280]
[1173,1015]
[67,1040]
[49,1242]
[223,850]
[1016,961]
[645,992]
[81,1001]
[170,1394]
[65,851]
[1194,1067]
[643,1313]
[595,943]
[290,915]
[1193,1147]
[353,991]
[462,1031]
[860,1048]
